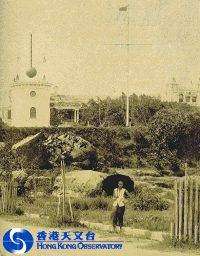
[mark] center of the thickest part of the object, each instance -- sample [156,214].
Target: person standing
[119,205]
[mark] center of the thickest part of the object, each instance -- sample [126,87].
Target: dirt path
[131,246]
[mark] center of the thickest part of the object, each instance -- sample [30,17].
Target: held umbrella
[111,182]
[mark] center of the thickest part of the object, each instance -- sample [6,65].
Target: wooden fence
[8,196]
[187,210]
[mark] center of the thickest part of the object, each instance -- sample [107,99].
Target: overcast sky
[78,37]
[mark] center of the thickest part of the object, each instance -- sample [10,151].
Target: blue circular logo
[17,241]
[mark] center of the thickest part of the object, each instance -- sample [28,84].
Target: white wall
[21,103]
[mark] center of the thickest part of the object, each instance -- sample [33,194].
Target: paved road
[131,246]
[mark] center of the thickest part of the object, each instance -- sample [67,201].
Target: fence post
[3,197]
[63,180]
[180,209]
[172,230]
[196,212]
[176,209]
[190,210]
[186,209]
[8,198]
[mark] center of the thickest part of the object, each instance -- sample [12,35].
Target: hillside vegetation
[163,135]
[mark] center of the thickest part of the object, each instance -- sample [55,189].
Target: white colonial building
[30,104]
[189,94]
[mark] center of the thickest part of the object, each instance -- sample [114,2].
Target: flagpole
[127,98]
[31,51]
[126,8]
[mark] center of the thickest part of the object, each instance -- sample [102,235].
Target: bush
[114,146]
[98,203]
[151,220]
[146,200]
[28,199]
[80,205]
[59,220]
[19,211]
[92,203]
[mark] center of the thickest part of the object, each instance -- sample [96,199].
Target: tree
[174,137]
[2,132]
[143,108]
[107,110]
[90,113]
[58,116]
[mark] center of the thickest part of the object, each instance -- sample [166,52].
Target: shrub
[59,220]
[80,205]
[19,211]
[151,220]
[92,203]
[28,199]
[98,203]
[147,200]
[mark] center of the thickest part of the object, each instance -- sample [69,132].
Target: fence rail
[8,196]
[187,210]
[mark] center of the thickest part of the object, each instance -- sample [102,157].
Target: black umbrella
[111,182]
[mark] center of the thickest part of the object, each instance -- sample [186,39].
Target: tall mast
[31,50]
[126,8]
[31,72]
[127,101]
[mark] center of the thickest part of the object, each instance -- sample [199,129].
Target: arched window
[9,114]
[180,97]
[33,112]
[194,98]
[187,98]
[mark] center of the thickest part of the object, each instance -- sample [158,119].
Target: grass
[26,220]
[169,244]
[151,220]
[97,209]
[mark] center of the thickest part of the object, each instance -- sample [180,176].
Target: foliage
[29,199]
[150,220]
[147,200]
[19,211]
[59,220]
[174,136]
[166,133]
[88,203]
[2,132]
[103,112]
[9,161]
[58,116]
[142,108]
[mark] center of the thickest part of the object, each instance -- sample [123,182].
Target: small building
[69,103]
[175,92]
[30,104]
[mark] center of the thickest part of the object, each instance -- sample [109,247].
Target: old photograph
[100,127]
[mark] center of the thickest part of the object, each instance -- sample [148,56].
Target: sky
[85,44]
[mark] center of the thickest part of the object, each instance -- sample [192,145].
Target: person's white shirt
[118,194]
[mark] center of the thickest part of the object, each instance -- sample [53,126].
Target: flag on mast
[123,9]
[44,60]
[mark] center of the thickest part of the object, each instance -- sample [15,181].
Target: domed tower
[30,100]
